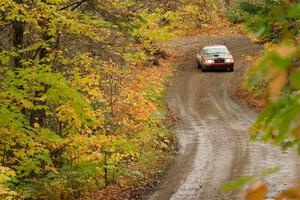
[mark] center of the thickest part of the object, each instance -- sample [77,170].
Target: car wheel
[198,65]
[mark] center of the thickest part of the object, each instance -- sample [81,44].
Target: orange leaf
[257,191]
[278,83]
[285,51]
[291,194]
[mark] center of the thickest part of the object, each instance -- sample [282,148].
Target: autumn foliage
[81,102]
[82,93]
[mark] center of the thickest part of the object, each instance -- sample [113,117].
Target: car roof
[214,46]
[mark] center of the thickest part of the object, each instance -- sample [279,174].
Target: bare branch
[61,148]
[79,4]
[6,25]
[75,4]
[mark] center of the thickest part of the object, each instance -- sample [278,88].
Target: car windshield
[216,50]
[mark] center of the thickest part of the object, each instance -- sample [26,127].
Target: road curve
[215,146]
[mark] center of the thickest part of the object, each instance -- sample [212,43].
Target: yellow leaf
[51,169]
[27,104]
[36,125]
[248,58]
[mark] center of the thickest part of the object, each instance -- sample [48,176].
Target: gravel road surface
[213,137]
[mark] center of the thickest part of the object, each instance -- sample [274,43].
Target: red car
[215,57]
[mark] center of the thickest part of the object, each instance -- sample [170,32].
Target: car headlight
[229,60]
[209,61]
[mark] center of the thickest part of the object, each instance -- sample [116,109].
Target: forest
[83,83]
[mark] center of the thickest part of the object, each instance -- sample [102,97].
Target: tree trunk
[18,37]
[38,116]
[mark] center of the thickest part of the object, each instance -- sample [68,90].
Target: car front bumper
[219,66]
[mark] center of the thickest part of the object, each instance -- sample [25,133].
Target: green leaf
[236,184]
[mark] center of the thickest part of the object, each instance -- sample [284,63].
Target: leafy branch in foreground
[257,190]
[277,75]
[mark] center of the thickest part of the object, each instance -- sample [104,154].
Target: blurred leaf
[237,183]
[270,171]
[291,194]
[295,79]
[257,191]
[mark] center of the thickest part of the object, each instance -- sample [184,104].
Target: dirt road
[215,146]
